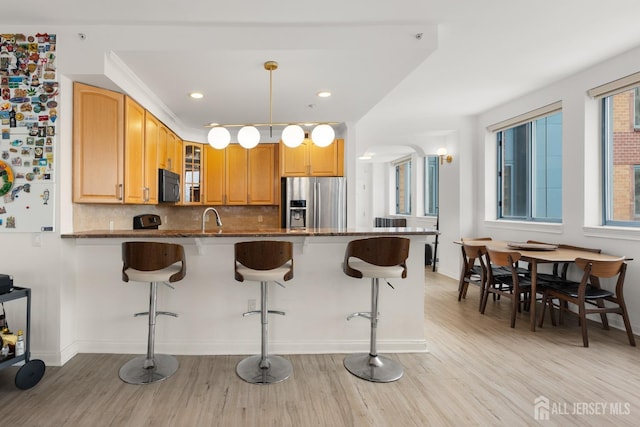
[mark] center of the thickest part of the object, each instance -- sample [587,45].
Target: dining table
[539,253]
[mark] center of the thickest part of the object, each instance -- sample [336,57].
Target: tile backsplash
[120,217]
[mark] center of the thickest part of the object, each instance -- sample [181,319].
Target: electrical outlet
[251,305]
[259,218]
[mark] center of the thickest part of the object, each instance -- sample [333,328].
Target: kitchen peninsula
[210,302]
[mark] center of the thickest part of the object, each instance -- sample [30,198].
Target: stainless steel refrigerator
[310,202]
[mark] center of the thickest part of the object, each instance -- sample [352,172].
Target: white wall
[581,173]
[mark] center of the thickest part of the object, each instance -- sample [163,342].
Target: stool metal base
[249,369]
[135,372]
[377,369]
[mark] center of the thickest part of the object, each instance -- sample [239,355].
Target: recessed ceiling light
[196,95]
[324,94]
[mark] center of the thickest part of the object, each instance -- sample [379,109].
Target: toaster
[146,222]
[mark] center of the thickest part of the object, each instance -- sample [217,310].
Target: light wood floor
[478,372]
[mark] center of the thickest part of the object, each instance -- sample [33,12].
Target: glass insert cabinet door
[192,180]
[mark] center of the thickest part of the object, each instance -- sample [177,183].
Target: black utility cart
[32,371]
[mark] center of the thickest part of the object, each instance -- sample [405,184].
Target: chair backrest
[263,255]
[594,270]
[152,256]
[380,251]
[471,253]
[507,259]
[601,268]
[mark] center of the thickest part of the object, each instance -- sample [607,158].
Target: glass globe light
[292,136]
[248,136]
[323,135]
[218,137]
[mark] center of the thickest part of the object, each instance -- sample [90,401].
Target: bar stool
[151,262]
[377,257]
[264,261]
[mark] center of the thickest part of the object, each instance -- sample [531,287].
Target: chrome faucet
[204,217]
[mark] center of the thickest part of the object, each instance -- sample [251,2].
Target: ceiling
[471,56]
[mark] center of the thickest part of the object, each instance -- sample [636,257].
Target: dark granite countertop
[273,232]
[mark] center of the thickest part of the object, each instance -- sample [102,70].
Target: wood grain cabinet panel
[98,145]
[310,160]
[215,181]
[261,170]
[236,175]
[134,135]
[150,165]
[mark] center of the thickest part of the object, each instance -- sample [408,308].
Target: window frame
[431,170]
[607,146]
[397,166]
[530,122]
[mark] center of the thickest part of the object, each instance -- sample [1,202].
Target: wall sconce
[442,153]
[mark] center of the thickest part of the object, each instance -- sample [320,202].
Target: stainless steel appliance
[168,186]
[314,202]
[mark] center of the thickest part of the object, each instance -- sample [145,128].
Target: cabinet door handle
[145,193]
[169,164]
[120,192]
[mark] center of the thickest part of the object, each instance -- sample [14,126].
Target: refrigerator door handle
[317,201]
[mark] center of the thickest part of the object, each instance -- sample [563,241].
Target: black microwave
[168,186]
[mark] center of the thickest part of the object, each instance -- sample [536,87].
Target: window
[530,170]
[621,155]
[403,187]
[431,186]
[636,105]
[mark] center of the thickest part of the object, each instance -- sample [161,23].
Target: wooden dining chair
[473,270]
[589,297]
[514,286]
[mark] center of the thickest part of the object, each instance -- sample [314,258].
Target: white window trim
[616,86]
[526,117]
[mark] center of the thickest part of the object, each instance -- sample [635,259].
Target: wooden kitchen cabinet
[214,184]
[167,152]
[261,175]
[150,165]
[237,176]
[310,160]
[236,168]
[192,173]
[114,148]
[162,138]
[98,145]
[134,140]
[173,150]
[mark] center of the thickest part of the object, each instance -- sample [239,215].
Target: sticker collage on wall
[28,114]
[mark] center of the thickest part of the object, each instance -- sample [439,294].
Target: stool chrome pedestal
[372,366]
[264,368]
[155,263]
[380,257]
[264,261]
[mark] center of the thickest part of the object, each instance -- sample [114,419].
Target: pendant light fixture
[249,136]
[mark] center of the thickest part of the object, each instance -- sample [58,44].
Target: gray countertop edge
[277,232]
